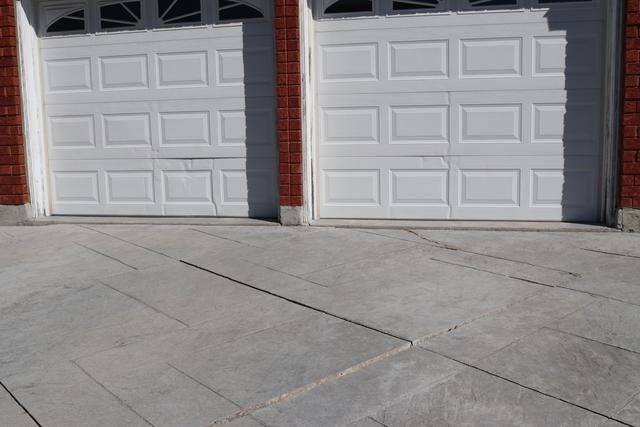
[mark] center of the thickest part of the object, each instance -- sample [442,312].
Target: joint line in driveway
[301,304]
[144,303]
[120,401]
[95,251]
[469,365]
[26,411]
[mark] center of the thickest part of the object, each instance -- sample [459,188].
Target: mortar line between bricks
[15,399]
[469,365]
[299,303]
[115,396]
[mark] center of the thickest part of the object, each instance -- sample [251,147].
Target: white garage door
[160,107]
[469,109]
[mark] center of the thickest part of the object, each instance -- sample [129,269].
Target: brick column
[13,174]
[289,87]
[629,202]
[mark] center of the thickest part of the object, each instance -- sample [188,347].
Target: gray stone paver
[272,362]
[362,393]
[606,321]
[584,372]
[102,325]
[476,340]
[11,413]
[476,399]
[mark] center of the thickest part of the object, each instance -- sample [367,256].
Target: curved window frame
[161,23]
[258,5]
[140,24]
[61,11]
[324,5]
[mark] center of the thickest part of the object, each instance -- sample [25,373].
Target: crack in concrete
[126,241]
[592,340]
[458,249]
[469,365]
[138,300]
[293,301]
[105,255]
[24,408]
[610,253]
[313,385]
[508,276]
[217,393]
[112,394]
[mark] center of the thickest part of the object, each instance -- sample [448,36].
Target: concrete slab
[193,296]
[362,393]
[57,325]
[311,252]
[273,362]
[167,398]
[631,412]
[64,396]
[473,398]
[177,242]
[584,372]
[481,338]
[11,413]
[606,321]
[256,236]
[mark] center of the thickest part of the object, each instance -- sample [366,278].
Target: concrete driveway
[105,325]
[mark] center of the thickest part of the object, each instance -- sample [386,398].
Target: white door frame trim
[612,116]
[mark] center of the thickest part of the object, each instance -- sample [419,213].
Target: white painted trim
[308,110]
[32,107]
[612,120]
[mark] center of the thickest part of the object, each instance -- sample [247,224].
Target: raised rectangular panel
[182,69]
[489,187]
[558,123]
[355,187]
[491,57]
[557,55]
[76,187]
[549,55]
[123,72]
[237,127]
[194,186]
[350,62]
[350,125]
[130,187]
[242,188]
[419,59]
[232,63]
[419,187]
[491,123]
[546,187]
[72,132]
[419,124]
[126,130]
[184,129]
[68,75]
[548,123]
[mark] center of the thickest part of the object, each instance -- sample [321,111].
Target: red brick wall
[630,182]
[287,21]
[13,174]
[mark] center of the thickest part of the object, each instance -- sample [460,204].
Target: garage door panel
[476,57]
[174,129]
[505,123]
[165,187]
